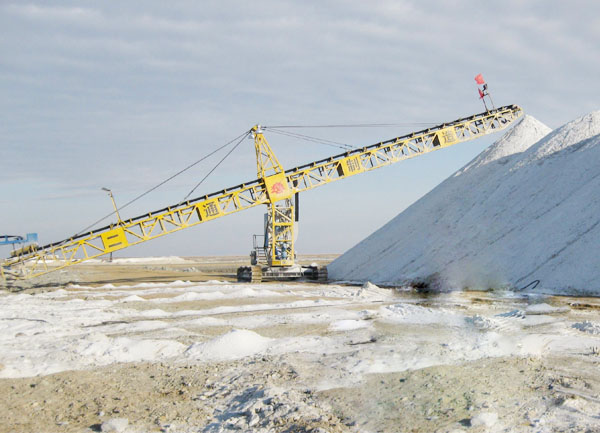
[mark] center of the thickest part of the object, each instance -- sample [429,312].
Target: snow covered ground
[332,337]
[525,209]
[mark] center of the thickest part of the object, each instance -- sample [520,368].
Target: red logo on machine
[277,188]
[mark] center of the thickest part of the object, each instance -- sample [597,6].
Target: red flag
[479,79]
[481,94]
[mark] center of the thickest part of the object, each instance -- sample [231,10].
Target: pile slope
[526,208]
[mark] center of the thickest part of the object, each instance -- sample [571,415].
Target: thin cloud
[53,13]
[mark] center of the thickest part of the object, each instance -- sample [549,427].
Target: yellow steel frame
[272,185]
[280,239]
[267,163]
[280,217]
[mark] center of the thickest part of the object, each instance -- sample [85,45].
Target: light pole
[113,202]
[116,212]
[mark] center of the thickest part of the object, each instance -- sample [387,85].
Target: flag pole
[483,93]
[489,96]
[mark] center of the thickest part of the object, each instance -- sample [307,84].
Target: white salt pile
[239,343]
[526,208]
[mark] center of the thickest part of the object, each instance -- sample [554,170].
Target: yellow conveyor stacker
[274,187]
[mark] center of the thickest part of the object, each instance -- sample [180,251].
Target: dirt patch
[444,397]
[256,395]
[268,394]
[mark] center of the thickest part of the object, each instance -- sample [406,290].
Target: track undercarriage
[258,273]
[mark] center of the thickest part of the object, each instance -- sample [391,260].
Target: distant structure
[30,239]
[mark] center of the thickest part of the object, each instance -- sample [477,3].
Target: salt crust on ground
[336,336]
[485,419]
[116,425]
[167,260]
[525,209]
[53,331]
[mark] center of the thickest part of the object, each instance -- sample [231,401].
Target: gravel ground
[268,395]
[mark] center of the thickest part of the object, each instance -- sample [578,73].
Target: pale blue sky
[124,94]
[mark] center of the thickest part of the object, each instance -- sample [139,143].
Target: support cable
[278,129]
[313,139]
[244,135]
[356,125]
[216,166]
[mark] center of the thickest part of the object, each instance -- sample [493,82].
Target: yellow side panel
[209,210]
[350,166]
[447,137]
[114,240]
[287,262]
[277,187]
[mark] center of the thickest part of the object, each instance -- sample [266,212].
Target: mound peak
[523,135]
[569,134]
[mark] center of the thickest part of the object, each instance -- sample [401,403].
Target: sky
[125,94]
